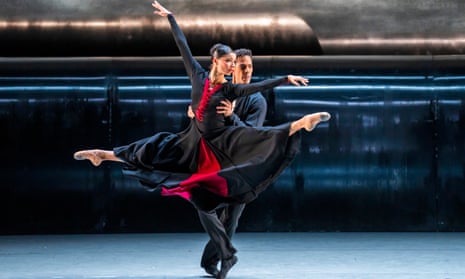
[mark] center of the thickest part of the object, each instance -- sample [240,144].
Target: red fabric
[206,175]
[207,93]
[208,166]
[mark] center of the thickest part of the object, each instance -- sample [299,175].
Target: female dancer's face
[225,64]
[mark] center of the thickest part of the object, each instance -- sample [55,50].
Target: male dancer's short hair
[243,52]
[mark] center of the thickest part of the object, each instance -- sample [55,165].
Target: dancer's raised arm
[191,64]
[160,10]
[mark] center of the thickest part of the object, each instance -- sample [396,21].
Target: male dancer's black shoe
[226,265]
[212,270]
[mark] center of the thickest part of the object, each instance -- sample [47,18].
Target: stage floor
[261,255]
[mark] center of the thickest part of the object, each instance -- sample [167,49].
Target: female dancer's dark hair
[219,50]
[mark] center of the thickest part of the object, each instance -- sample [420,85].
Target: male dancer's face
[243,70]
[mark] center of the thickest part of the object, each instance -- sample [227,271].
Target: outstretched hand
[160,10]
[297,80]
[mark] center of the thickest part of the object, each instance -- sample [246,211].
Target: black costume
[210,163]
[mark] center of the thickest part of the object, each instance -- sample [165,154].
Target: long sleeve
[241,90]
[191,64]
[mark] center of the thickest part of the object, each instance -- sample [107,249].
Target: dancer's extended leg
[308,122]
[96,156]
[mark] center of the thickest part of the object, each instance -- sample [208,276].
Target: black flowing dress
[210,163]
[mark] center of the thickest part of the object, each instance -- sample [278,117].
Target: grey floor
[261,255]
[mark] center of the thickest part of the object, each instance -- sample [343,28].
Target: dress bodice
[212,123]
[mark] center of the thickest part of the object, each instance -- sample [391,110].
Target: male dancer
[245,111]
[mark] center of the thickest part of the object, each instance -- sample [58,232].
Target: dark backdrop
[390,159]
[269,27]
[83,74]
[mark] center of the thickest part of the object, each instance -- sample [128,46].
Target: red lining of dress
[208,166]
[207,93]
[206,176]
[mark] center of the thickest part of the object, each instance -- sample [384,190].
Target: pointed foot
[93,156]
[311,120]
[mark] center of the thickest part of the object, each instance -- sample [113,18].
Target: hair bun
[218,50]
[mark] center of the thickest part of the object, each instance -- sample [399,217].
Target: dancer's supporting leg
[220,239]
[229,216]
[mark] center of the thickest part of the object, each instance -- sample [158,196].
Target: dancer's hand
[226,108]
[160,10]
[297,80]
[190,112]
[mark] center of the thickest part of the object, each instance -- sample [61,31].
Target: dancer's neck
[215,80]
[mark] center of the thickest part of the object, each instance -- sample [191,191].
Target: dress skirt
[234,164]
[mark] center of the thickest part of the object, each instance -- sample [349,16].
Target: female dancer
[209,163]
[217,143]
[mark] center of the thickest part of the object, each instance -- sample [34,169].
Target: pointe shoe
[226,265]
[325,116]
[311,120]
[91,155]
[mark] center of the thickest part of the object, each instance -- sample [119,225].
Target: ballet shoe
[91,155]
[325,116]
[226,265]
[311,120]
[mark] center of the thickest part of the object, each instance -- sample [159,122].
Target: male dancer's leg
[229,216]
[220,240]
